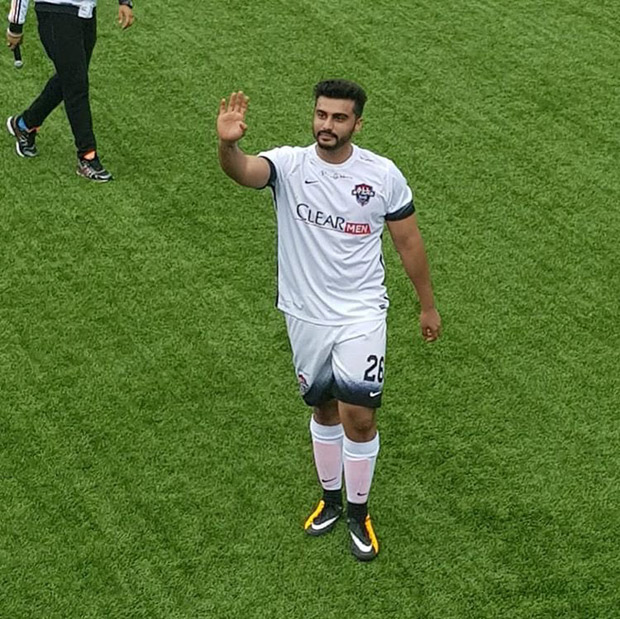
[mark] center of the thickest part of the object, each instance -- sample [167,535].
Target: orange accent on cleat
[371,534]
[314,514]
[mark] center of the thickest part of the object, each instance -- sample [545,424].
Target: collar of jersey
[334,166]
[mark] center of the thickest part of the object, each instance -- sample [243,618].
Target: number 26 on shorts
[374,372]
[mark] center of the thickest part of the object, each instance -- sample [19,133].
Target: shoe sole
[363,558]
[9,128]
[95,180]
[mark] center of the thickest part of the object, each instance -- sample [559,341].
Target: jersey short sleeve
[281,161]
[399,196]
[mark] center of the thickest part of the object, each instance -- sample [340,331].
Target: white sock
[359,467]
[327,447]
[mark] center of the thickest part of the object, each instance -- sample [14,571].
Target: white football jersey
[330,220]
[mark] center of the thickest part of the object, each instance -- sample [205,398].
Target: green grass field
[154,453]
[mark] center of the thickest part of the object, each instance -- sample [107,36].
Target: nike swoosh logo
[374,394]
[362,493]
[363,547]
[310,182]
[326,481]
[323,525]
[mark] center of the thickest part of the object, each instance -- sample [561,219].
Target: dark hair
[342,89]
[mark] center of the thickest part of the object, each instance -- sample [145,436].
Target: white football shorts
[346,362]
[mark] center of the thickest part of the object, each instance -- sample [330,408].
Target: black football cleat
[364,544]
[93,170]
[24,140]
[323,519]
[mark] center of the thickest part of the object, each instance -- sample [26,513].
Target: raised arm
[410,246]
[246,170]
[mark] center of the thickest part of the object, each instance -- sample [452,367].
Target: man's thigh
[358,363]
[312,349]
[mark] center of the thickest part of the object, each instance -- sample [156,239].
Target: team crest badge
[303,384]
[363,193]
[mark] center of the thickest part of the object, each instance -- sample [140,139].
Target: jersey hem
[335,323]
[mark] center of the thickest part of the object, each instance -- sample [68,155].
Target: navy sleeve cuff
[401,213]
[273,176]
[16,28]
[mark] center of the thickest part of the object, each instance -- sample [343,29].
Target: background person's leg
[75,85]
[69,41]
[51,95]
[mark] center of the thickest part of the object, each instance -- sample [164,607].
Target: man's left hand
[125,16]
[430,323]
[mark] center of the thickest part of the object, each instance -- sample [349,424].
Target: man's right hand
[13,40]
[231,125]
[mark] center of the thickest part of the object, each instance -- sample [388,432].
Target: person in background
[68,31]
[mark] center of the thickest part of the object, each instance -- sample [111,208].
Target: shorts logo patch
[363,193]
[304,387]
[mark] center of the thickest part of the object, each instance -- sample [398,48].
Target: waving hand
[231,125]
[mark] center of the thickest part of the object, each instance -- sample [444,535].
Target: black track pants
[69,41]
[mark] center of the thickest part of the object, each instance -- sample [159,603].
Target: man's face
[334,122]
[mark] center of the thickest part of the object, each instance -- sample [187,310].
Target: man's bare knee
[359,422]
[327,414]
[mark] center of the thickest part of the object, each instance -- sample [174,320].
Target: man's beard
[339,141]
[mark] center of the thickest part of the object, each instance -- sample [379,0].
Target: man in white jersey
[332,201]
[68,31]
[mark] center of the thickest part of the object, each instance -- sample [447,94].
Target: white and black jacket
[82,8]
